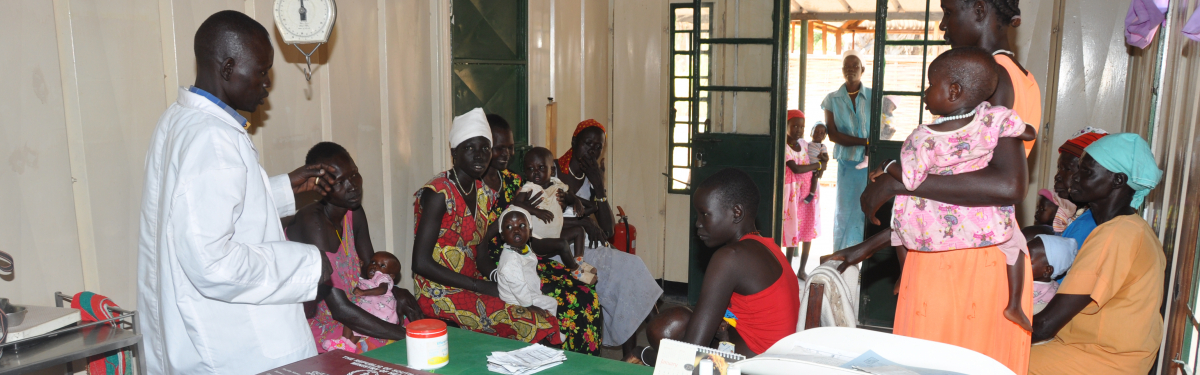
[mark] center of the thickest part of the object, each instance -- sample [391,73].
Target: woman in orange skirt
[955,297]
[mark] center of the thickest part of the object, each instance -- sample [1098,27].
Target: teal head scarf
[1128,153]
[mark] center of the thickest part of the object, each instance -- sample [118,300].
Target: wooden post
[792,38]
[816,296]
[824,40]
[552,126]
[839,42]
[811,31]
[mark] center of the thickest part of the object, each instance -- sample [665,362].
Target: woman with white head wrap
[451,215]
[1104,317]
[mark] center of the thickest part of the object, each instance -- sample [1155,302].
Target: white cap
[470,125]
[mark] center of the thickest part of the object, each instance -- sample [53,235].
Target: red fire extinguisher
[624,235]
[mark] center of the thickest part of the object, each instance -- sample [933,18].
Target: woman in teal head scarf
[1104,318]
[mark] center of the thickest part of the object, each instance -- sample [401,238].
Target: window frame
[693,101]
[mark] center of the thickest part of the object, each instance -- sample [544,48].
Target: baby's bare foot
[1015,315]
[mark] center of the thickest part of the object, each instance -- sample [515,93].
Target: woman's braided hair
[1007,11]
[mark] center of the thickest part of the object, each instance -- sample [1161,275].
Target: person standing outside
[219,287]
[848,123]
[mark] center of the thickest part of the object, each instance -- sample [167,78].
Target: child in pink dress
[961,141]
[375,292]
[799,216]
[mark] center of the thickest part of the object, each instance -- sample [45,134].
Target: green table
[469,351]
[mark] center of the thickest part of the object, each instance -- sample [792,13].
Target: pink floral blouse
[927,225]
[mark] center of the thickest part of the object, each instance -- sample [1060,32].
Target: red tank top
[769,315]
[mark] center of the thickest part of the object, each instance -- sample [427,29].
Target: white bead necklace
[942,119]
[999,51]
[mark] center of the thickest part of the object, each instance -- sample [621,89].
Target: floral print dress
[462,230]
[346,266]
[927,225]
[579,315]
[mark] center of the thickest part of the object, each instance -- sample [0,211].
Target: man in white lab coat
[219,288]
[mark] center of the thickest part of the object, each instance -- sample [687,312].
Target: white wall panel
[415,136]
[568,68]
[289,122]
[354,94]
[538,61]
[638,133]
[118,62]
[1091,76]
[39,227]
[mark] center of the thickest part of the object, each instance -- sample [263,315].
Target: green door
[488,58]
[737,112]
[902,94]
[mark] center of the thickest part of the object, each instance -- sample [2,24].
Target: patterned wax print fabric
[462,229]
[928,225]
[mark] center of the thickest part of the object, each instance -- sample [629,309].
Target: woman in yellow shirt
[1105,319]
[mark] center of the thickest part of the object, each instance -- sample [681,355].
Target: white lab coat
[219,289]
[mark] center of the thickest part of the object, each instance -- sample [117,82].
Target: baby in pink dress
[962,140]
[373,294]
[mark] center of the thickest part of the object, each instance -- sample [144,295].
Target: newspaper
[527,360]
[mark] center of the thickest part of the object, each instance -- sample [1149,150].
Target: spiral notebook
[681,358]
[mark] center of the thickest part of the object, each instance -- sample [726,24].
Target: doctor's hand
[312,177]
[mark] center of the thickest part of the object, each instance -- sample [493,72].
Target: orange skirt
[958,297]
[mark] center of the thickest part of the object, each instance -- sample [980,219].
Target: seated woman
[452,212]
[338,226]
[578,310]
[1104,318]
[1069,222]
[628,292]
[748,274]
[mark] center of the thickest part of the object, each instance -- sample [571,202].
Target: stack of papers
[528,360]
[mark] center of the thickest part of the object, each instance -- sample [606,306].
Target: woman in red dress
[452,216]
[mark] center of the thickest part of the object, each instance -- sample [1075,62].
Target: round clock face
[304,20]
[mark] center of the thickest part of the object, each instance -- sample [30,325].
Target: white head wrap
[470,125]
[1060,252]
[513,208]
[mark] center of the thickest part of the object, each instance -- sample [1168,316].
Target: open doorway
[817,47]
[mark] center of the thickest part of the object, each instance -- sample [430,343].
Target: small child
[516,275]
[374,294]
[557,235]
[1051,257]
[815,149]
[962,140]
[1043,218]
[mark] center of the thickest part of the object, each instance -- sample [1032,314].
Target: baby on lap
[563,238]
[374,296]
[1050,257]
[516,275]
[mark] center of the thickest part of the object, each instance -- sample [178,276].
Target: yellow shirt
[1121,266]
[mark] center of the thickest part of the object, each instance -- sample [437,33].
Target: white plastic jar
[428,345]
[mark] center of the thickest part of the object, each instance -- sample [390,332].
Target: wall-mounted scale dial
[305,22]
